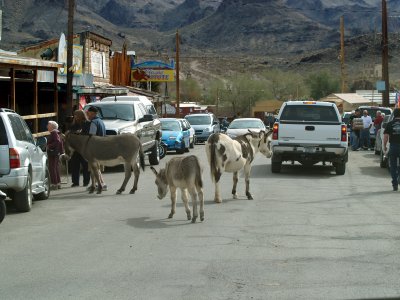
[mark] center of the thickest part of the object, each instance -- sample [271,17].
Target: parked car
[131,116]
[2,206]
[204,125]
[243,125]
[24,175]
[174,135]
[192,132]
[372,113]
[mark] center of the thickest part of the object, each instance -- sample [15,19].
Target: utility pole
[385,56]
[342,64]
[177,112]
[70,41]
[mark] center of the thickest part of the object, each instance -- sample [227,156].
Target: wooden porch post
[56,95]
[12,88]
[35,101]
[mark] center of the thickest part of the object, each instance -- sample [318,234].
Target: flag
[396,99]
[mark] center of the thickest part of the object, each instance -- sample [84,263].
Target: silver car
[24,174]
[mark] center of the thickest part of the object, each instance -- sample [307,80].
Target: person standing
[79,124]
[378,120]
[365,140]
[392,135]
[54,149]
[355,129]
[98,128]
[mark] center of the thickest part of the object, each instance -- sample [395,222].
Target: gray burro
[309,132]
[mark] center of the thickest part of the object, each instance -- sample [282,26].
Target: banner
[155,75]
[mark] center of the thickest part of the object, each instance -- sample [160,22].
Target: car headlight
[207,129]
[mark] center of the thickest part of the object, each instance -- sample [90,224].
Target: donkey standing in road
[184,173]
[231,155]
[108,151]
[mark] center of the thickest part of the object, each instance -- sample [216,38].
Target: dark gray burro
[108,151]
[184,173]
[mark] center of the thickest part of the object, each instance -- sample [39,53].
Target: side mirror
[215,123]
[146,118]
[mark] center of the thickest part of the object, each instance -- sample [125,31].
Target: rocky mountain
[229,27]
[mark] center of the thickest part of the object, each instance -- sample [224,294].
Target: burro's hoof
[194,219]
[218,200]
[132,191]
[119,192]
[189,216]
[249,196]
[170,216]
[91,190]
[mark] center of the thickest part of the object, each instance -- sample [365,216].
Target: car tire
[154,156]
[340,168]
[276,166]
[191,145]
[162,149]
[46,193]
[23,199]
[3,210]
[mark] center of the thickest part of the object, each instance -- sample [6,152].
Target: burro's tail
[141,157]
[199,170]
[213,157]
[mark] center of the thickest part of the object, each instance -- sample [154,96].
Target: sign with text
[97,60]
[153,71]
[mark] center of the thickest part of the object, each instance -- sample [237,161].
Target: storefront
[29,87]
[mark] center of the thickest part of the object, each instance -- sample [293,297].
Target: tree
[322,84]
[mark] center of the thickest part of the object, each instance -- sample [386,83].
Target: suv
[123,115]
[204,125]
[23,165]
[309,132]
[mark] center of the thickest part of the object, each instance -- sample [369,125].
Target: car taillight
[344,133]
[275,130]
[14,159]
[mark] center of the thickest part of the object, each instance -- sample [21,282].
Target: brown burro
[184,173]
[108,151]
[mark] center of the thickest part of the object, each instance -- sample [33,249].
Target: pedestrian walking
[80,124]
[98,128]
[392,135]
[54,149]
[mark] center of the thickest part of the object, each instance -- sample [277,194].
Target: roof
[352,98]
[11,59]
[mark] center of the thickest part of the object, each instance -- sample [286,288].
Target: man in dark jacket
[392,134]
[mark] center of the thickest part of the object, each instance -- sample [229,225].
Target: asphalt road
[308,234]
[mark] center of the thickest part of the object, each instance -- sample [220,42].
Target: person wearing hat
[98,128]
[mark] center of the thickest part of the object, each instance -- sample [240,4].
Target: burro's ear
[154,170]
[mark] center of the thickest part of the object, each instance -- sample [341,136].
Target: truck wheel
[23,199]
[340,168]
[46,183]
[162,149]
[154,156]
[2,210]
[276,166]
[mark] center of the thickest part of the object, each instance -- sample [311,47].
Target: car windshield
[309,113]
[170,126]
[199,120]
[243,124]
[121,111]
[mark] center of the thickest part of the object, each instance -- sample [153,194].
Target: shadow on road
[320,171]
[146,223]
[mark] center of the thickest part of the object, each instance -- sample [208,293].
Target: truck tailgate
[310,133]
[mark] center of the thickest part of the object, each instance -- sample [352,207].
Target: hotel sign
[154,71]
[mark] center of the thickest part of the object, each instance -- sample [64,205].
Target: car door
[4,150]
[185,133]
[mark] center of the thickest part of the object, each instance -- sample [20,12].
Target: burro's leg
[128,173]
[172,190]
[235,181]
[247,170]
[217,197]
[201,200]
[136,173]
[193,195]
[185,200]
[94,173]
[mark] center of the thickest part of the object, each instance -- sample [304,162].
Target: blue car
[174,135]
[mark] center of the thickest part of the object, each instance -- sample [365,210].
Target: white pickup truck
[309,132]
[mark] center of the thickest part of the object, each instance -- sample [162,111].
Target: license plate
[309,150]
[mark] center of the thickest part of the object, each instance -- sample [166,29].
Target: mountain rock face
[230,27]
